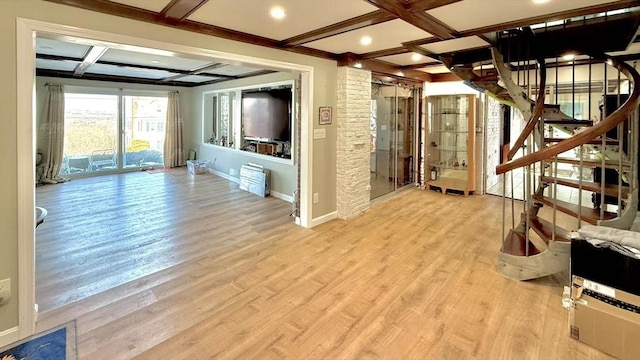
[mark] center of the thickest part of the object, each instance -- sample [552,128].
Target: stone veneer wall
[480,144]
[353,142]
[493,127]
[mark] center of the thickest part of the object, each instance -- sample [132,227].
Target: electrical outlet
[5,291]
[315,198]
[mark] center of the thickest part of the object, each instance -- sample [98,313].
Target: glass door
[383,122]
[392,131]
[90,134]
[143,131]
[111,133]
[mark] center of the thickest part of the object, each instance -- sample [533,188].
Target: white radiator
[255,179]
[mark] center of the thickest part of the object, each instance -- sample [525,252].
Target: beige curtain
[53,129]
[173,155]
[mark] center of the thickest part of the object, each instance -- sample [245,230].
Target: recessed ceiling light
[358,65]
[365,40]
[540,1]
[400,73]
[278,13]
[568,57]
[416,57]
[155,61]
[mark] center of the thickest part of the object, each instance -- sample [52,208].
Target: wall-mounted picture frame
[325,115]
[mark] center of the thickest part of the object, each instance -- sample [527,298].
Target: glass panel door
[90,133]
[143,131]
[383,133]
[404,137]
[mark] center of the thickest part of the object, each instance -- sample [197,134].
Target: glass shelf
[439,148]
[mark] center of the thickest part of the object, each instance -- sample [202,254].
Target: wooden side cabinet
[449,149]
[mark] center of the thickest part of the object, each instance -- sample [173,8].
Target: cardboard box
[196,167]
[606,318]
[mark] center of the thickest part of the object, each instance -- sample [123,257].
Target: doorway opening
[27,30]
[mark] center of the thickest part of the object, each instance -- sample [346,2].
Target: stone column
[353,142]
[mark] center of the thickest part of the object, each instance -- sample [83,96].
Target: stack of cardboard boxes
[605,294]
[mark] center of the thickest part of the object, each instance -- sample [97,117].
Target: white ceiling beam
[90,58]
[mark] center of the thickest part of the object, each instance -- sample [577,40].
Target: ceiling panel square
[60,48]
[127,71]
[153,5]
[139,58]
[471,14]
[447,46]
[253,16]
[406,59]
[232,70]
[56,65]
[437,69]
[197,78]
[386,35]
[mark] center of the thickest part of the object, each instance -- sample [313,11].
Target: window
[92,125]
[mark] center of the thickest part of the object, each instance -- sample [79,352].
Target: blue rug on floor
[52,346]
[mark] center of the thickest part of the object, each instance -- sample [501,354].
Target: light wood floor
[172,266]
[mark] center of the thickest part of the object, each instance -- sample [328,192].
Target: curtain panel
[53,129]
[173,148]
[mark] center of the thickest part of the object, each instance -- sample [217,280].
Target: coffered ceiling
[399,38]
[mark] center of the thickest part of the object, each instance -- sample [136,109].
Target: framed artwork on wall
[325,115]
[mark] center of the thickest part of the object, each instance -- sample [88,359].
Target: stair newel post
[528,197]
[513,202]
[589,87]
[620,147]
[555,195]
[504,206]
[603,143]
[581,155]
[633,142]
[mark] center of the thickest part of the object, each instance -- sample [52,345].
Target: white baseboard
[281,196]
[9,336]
[226,176]
[324,218]
[275,194]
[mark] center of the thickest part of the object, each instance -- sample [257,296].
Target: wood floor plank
[171,265]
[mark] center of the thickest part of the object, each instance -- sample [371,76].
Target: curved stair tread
[544,229]
[567,122]
[608,164]
[609,189]
[553,112]
[590,142]
[590,215]
[516,244]
[548,262]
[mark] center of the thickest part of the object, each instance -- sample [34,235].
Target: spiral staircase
[523,72]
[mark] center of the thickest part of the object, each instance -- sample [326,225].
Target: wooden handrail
[610,122]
